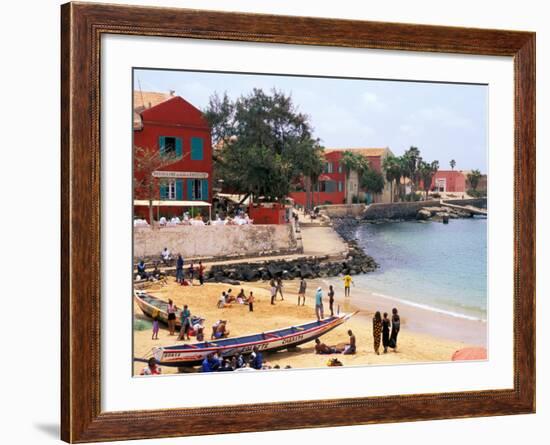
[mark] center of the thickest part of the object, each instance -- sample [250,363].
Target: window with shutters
[169,146]
[197,189]
[197,149]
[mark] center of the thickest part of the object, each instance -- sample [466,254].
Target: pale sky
[445,121]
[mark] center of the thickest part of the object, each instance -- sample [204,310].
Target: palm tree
[353,162]
[411,160]
[473,178]
[426,173]
[452,164]
[390,165]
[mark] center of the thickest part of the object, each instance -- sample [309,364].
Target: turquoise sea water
[441,267]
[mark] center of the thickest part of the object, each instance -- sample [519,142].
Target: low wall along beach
[215,241]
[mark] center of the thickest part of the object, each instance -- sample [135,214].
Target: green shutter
[179,148]
[204,189]
[161,145]
[163,191]
[190,189]
[179,189]
[197,149]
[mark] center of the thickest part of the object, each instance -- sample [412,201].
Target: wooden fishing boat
[150,305]
[270,341]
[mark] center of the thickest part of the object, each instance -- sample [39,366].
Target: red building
[335,187]
[331,188]
[172,126]
[449,181]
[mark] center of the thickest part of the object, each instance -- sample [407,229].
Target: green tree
[352,161]
[392,170]
[473,178]
[373,181]
[411,160]
[452,164]
[426,173]
[263,143]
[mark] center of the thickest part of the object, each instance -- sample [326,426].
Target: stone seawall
[342,210]
[476,202]
[396,210]
[216,241]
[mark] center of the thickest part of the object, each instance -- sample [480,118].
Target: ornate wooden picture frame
[82,26]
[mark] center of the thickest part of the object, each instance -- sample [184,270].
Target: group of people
[227,297]
[386,329]
[319,307]
[275,288]
[213,362]
[349,349]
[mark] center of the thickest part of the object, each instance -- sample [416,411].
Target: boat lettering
[292,339]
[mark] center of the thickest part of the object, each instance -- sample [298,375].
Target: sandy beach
[424,337]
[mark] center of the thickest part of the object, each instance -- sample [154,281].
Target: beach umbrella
[470,354]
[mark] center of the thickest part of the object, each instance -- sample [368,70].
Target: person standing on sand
[155,335]
[302,292]
[185,319]
[251,302]
[377,331]
[171,310]
[319,304]
[331,300]
[201,273]
[191,273]
[179,269]
[279,287]
[347,283]
[395,327]
[273,290]
[385,332]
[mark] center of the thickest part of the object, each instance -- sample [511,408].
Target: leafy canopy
[263,143]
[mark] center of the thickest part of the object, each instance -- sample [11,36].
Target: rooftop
[365,151]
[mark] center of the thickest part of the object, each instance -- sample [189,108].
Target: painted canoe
[149,304]
[276,340]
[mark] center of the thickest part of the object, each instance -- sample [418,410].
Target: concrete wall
[215,241]
[341,210]
[397,210]
[476,202]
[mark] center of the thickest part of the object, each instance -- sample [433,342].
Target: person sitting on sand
[219,329]
[141,273]
[321,348]
[256,358]
[211,363]
[351,347]
[241,298]
[198,329]
[151,368]
[302,291]
[165,256]
[385,332]
[222,300]
[229,297]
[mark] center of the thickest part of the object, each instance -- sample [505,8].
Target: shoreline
[413,346]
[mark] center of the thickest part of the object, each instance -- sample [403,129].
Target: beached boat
[270,341]
[151,305]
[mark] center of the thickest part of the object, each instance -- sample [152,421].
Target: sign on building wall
[191,175]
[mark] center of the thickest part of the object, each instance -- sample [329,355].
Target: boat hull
[193,355]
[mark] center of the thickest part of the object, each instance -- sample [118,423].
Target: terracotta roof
[362,150]
[144,100]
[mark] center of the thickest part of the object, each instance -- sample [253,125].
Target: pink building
[449,181]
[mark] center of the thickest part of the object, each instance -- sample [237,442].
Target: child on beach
[155,335]
[251,302]
[279,288]
[151,368]
[273,289]
[201,273]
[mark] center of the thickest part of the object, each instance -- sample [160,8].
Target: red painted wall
[455,180]
[273,214]
[176,117]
